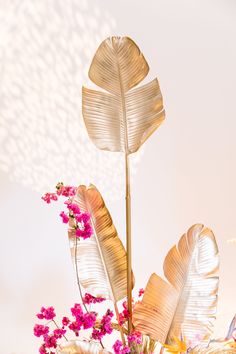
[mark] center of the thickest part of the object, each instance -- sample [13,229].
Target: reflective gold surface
[81,347]
[185,306]
[121,119]
[101,259]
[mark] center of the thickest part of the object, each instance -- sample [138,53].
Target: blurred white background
[185,174]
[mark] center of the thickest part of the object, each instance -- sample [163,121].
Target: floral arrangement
[173,315]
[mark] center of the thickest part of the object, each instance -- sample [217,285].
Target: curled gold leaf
[101,259]
[121,118]
[185,306]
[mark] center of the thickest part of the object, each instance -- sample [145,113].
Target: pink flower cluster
[135,338]
[80,221]
[106,327]
[46,313]
[49,339]
[119,348]
[124,315]
[61,190]
[81,320]
[89,299]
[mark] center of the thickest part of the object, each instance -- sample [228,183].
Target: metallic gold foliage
[215,348]
[81,347]
[101,259]
[121,118]
[185,306]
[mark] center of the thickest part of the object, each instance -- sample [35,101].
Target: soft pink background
[185,175]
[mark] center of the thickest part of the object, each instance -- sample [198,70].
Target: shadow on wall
[46,48]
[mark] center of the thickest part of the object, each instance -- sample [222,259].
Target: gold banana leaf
[101,259]
[81,347]
[215,348]
[185,306]
[121,118]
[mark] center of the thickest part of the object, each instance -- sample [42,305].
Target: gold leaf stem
[128,242]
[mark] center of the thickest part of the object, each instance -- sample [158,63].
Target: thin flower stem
[120,327]
[78,282]
[59,328]
[77,275]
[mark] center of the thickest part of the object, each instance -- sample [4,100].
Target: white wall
[187,172]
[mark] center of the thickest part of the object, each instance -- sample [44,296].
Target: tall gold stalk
[128,241]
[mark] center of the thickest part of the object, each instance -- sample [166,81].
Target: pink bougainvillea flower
[135,337]
[141,292]
[124,315]
[89,299]
[106,327]
[59,333]
[65,191]
[82,218]
[48,197]
[50,341]
[65,217]
[74,326]
[46,313]
[73,207]
[85,231]
[89,320]
[40,330]
[42,349]
[65,321]
[119,348]
[76,311]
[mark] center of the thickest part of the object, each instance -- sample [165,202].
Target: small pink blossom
[124,315]
[106,327]
[119,348]
[50,341]
[74,326]
[135,337]
[89,320]
[46,313]
[73,207]
[65,191]
[89,299]
[82,218]
[59,333]
[65,217]
[48,197]
[40,330]
[85,231]
[141,292]
[77,310]
[65,321]
[42,349]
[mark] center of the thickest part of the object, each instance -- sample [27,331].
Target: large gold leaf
[121,119]
[81,347]
[185,306]
[101,259]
